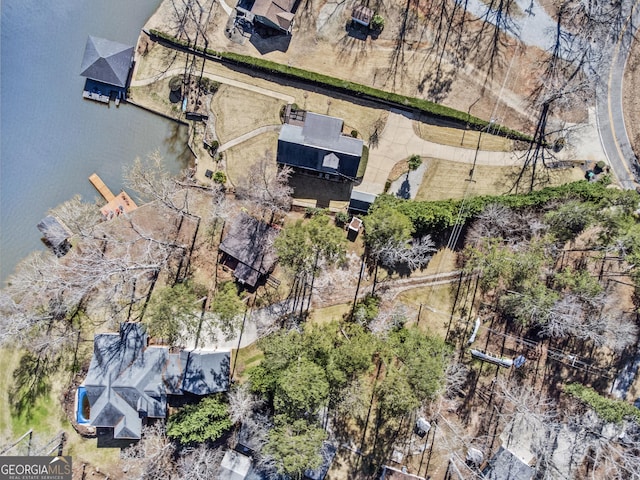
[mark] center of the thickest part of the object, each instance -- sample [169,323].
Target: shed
[248,249]
[247,442]
[362,14]
[56,234]
[234,466]
[360,202]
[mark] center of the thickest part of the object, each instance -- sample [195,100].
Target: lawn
[239,111]
[445,179]
[46,417]
[246,358]
[241,158]
[320,316]
[457,137]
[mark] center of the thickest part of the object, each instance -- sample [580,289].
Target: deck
[116,204]
[98,97]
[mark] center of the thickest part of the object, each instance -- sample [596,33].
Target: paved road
[609,111]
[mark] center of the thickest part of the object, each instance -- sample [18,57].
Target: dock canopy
[107,62]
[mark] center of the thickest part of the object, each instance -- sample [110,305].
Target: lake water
[51,139]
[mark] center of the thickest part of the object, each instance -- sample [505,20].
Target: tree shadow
[405,189]
[30,382]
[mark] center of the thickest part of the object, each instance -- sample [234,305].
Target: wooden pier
[116,204]
[101,187]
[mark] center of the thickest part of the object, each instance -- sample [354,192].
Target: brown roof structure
[249,241]
[278,12]
[362,15]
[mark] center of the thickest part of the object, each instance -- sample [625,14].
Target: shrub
[213,146]
[354,133]
[414,162]
[313,211]
[367,308]
[606,408]
[342,218]
[377,22]
[208,85]
[219,177]
[175,83]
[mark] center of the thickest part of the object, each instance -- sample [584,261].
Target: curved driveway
[609,108]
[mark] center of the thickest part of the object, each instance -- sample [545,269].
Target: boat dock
[101,187]
[116,204]
[98,97]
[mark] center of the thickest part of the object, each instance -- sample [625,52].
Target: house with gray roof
[130,381]
[319,147]
[106,65]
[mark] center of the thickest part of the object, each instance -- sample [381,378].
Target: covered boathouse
[107,66]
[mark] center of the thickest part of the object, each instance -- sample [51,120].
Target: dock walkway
[101,187]
[98,97]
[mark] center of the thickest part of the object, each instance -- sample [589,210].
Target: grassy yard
[45,416]
[241,158]
[239,111]
[321,316]
[247,357]
[445,179]
[457,137]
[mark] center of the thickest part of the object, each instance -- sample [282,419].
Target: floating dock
[116,204]
[98,97]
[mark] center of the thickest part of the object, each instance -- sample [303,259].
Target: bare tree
[242,404]
[413,254]
[199,463]
[151,179]
[79,216]
[266,185]
[152,457]
[498,221]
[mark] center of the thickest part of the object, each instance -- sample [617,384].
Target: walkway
[227,81]
[227,9]
[399,141]
[248,135]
